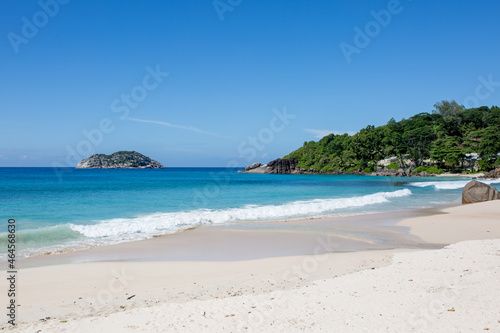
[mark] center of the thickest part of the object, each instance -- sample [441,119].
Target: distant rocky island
[119,160]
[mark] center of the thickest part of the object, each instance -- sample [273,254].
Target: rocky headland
[289,166]
[493,174]
[119,160]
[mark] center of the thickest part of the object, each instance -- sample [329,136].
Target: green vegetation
[393,166]
[433,142]
[429,169]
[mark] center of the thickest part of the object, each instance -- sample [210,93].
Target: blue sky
[190,83]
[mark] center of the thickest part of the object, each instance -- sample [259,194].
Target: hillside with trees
[451,138]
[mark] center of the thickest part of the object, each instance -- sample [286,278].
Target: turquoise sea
[97,207]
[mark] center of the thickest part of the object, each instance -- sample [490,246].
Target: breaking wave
[450,185]
[165,223]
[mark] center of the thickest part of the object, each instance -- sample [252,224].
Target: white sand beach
[453,289]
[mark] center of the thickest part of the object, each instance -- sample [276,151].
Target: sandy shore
[256,240]
[462,175]
[449,289]
[465,222]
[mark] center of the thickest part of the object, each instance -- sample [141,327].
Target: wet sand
[255,240]
[408,288]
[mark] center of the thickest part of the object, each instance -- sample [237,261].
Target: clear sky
[247,80]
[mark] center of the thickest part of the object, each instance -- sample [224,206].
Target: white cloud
[29,157]
[319,133]
[187,128]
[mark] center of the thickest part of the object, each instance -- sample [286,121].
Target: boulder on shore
[253,166]
[492,174]
[476,191]
[279,166]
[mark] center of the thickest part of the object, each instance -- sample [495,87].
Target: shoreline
[465,224]
[89,243]
[290,166]
[461,175]
[358,232]
[228,295]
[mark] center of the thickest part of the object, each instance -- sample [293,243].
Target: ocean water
[97,207]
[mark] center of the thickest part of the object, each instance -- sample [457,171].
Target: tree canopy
[444,138]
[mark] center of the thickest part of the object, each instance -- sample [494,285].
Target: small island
[119,160]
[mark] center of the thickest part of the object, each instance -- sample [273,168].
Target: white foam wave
[164,223]
[451,185]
